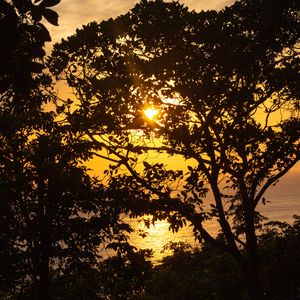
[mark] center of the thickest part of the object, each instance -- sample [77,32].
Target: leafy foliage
[227,87]
[207,273]
[23,37]
[55,217]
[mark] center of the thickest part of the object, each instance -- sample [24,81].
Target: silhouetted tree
[22,92]
[209,273]
[279,251]
[124,275]
[55,217]
[205,273]
[227,88]
[23,37]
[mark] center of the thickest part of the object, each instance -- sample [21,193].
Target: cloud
[74,13]
[199,5]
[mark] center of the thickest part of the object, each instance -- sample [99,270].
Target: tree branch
[274,179]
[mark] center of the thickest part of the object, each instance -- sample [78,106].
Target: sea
[282,203]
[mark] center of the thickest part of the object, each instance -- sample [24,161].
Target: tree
[226,86]
[23,37]
[205,273]
[54,216]
[280,246]
[209,273]
[22,90]
[57,216]
[124,275]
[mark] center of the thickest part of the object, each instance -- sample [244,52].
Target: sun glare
[151,113]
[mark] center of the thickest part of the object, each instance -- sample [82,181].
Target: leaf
[36,67]
[44,34]
[146,165]
[49,3]
[38,52]
[36,13]
[51,16]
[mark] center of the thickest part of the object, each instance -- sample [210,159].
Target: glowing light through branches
[151,113]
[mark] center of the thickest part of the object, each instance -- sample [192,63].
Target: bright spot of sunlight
[151,113]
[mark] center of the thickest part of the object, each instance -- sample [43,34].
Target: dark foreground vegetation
[205,273]
[211,274]
[226,88]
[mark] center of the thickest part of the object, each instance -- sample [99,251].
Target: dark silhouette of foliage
[21,52]
[195,274]
[55,217]
[118,277]
[124,275]
[208,273]
[22,91]
[233,76]
[280,249]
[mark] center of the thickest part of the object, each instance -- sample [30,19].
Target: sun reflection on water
[158,236]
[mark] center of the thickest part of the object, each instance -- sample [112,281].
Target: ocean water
[158,236]
[283,201]
[280,208]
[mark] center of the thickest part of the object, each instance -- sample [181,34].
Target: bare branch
[273,179]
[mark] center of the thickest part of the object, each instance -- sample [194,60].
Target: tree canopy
[55,217]
[226,85]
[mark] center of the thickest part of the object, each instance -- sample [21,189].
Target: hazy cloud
[199,5]
[74,13]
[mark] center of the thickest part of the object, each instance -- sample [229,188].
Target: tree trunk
[40,286]
[251,268]
[252,282]
[44,270]
[45,242]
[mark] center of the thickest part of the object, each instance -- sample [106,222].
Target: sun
[151,113]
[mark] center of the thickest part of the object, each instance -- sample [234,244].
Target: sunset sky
[74,13]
